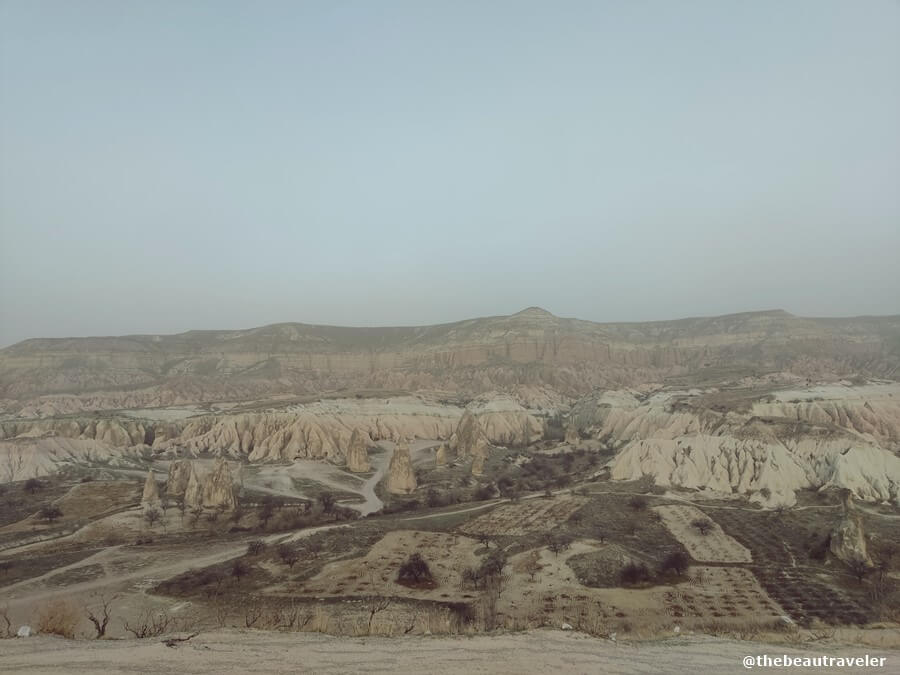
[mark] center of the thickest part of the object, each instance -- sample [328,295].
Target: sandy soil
[531,652]
[716,546]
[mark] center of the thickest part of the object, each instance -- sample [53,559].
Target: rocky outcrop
[572,438]
[479,455]
[150,495]
[193,493]
[178,477]
[440,455]
[467,435]
[25,458]
[357,454]
[218,488]
[848,542]
[401,475]
[745,466]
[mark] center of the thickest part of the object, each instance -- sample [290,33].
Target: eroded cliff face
[668,437]
[320,430]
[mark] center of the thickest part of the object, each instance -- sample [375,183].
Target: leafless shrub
[252,615]
[58,618]
[149,624]
[4,617]
[256,547]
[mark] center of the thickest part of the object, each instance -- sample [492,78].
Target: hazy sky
[175,165]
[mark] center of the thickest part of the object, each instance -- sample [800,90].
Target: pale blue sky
[174,165]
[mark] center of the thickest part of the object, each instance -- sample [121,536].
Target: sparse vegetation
[50,513]
[416,573]
[703,525]
[58,617]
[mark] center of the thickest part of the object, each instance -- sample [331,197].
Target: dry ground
[531,515]
[376,573]
[540,651]
[715,546]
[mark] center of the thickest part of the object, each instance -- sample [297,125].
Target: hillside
[532,348]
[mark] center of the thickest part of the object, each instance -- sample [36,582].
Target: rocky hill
[529,353]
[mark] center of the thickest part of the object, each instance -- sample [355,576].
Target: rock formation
[848,542]
[440,455]
[357,454]
[478,465]
[467,436]
[572,437]
[179,475]
[218,488]
[401,475]
[151,490]
[479,455]
[193,492]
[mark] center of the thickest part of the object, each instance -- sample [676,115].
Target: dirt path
[538,651]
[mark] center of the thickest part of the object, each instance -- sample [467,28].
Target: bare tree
[149,624]
[152,516]
[256,547]
[239,569]
[50,513]
[376,605]
[289,555]
[859,568]
[327,501]
[703,525]
[99,616]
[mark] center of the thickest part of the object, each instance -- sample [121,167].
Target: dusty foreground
[531,652]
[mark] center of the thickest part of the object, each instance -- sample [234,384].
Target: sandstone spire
[848,542]
[572,437]
[479,454]
[218,488]
[177,480]
[193,492]
[357,454]
[468,434]
[401,476]
[151,490]
[440,456]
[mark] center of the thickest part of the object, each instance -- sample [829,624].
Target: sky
[176,165]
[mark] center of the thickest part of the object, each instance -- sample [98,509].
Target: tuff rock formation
[572,437]
[848,542]
[401,475]
[357,454]
[151,490]
[179,475]
[193,492]
[478,465]
[440,455]
[479,455]
[467,436]
[218,488]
